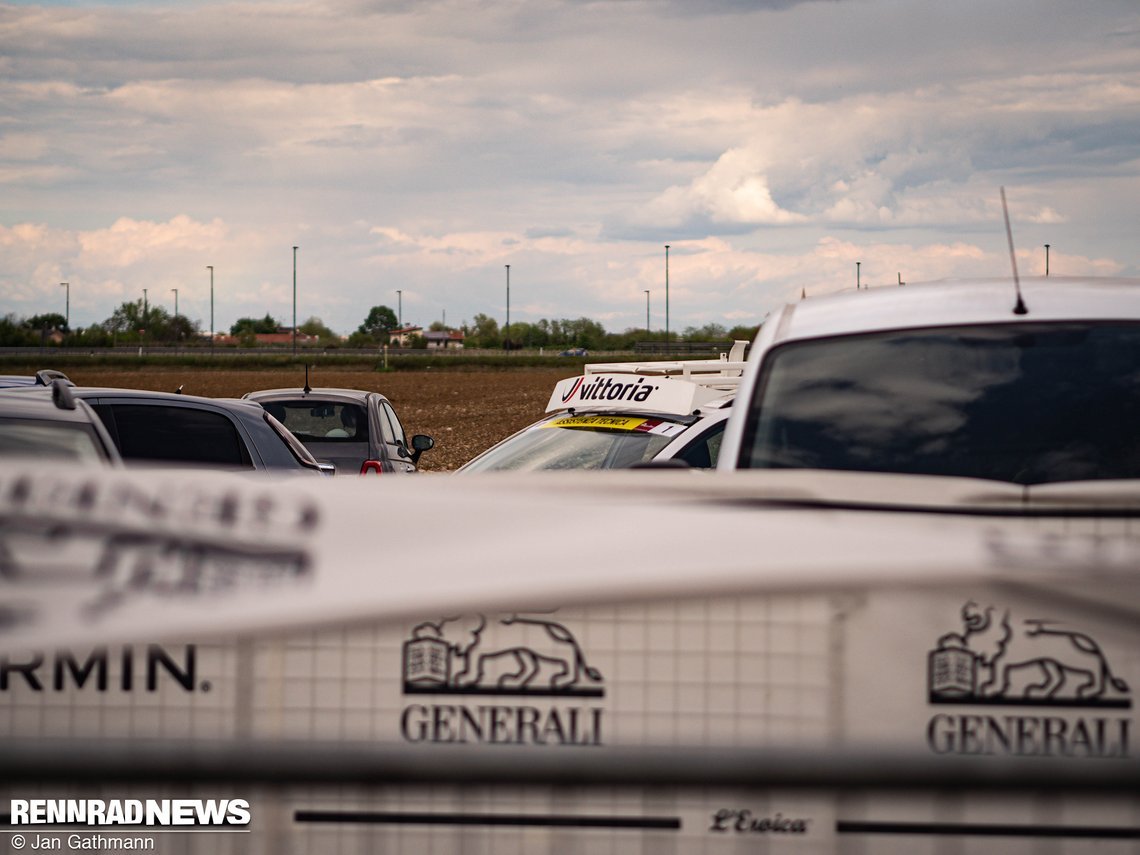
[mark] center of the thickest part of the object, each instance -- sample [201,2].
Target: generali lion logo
[1029,662]
[513,655]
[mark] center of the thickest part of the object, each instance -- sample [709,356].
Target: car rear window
[309,419]
[1027,403]
[50,439]
[296,448]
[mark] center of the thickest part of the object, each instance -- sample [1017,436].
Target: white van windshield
[1027,403]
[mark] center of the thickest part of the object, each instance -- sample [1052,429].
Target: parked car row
[669,413]
[351,430]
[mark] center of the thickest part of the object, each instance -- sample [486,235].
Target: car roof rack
[694,383]
[724,372]
[46,376]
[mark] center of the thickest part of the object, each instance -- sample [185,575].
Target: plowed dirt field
[465,411]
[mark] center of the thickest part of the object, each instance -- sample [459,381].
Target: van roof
[953,303]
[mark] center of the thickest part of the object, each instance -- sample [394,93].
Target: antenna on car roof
[307,388]
[1018,307]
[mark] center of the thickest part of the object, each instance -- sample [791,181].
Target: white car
[948,378]
[624,414]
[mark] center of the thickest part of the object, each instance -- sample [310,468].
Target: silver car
[355,430]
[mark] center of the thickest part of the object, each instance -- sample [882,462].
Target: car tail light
[371,466]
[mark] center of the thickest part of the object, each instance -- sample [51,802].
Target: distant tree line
[137,323]
[484,331]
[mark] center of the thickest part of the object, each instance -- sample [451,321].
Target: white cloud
[423,146]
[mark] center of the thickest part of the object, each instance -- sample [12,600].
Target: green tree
[181,329]
[316,327]
[132,321]
[94,336]
[582,332]
[743,333]
[127,318]
[14,333]
[483,332]
[380,322]
[709,332]
[49,321]
[255,325]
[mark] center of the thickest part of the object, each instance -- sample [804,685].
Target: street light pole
[857,275]
[400,311]
[666,298]
[210,267]
[294,301]
[66,305]
[175,290]
[507,329]
[647,334]
[1046,259]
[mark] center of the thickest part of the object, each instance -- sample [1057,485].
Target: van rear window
[1027,403]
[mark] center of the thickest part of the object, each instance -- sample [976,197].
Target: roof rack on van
[725,371]
[695,383]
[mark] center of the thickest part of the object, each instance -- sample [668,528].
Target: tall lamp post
[177,335]
[647,333]
[400,310]
[666,298]
[507,328]
[294,301]
[142,336]
[210,267]
[1046,259]
[66,305]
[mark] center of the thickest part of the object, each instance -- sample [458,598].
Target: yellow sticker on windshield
[608,422]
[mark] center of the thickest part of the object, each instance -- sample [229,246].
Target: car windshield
[581,442]
[1026,403]
[53,439]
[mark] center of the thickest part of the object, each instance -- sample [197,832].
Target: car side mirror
[421,442]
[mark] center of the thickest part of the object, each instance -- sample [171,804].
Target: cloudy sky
[423,145]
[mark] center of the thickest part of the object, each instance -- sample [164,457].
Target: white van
[948,378]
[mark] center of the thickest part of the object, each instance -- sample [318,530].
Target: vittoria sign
[517,657]
[1029,674]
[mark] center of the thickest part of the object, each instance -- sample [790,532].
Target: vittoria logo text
[608,389]
[512,656]
[1000,661]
